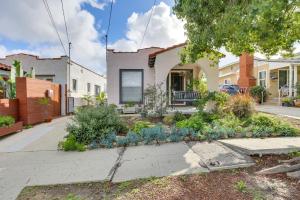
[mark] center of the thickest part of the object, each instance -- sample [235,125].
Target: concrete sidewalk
[292,112]
[258,146]
[20,169]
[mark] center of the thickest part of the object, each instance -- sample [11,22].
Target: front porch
[284,80]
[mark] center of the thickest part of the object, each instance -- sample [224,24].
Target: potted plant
[129,108]
[45,101]
[297,101]
[287,102]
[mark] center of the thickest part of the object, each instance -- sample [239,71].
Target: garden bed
[240,184]
[232,117]
[11,129]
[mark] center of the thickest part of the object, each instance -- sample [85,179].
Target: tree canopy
[265,26]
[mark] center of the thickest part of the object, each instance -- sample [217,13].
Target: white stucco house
[77,79]
[129,73]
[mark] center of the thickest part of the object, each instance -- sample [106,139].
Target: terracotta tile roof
[4,67]
[152,56]
[166,49]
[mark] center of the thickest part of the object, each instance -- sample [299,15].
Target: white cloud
[164,29]
[28,22]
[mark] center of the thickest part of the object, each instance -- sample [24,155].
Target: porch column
[290,80]
[295,79]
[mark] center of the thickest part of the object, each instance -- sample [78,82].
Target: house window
[74,84]
[262,78]
[97,90]
[131,85]
[88,87]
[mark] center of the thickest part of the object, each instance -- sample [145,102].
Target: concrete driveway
[292,112]
[30,158]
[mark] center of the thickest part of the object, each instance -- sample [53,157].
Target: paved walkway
[30,158]
[258,146]
[292,112]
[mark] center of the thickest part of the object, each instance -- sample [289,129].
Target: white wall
[84,76]
[169,59]
[48,67]
[127,60]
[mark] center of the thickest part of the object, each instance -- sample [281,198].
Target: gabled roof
[4,67]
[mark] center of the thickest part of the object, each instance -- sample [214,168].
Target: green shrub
[156,133]
[241,105]
[139,125]
[178,116]
[285,129]
[6,121]
[168,119]
[195,122]
[94,124]
[258,92]
[261,120]
[108,140]
[229,121]
[70,144]
[220,98]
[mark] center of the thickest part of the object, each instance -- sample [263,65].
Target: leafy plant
[108,140]
[241,186]
[241,105]
[139,125]
[178,116]
[156,133]
[156,99]
[195,122]
[88,99]
[259,93]
[70,144]
[94,124]
[6,121]
[133,138]
[101,98]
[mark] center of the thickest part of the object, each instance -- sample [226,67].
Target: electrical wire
[53,24]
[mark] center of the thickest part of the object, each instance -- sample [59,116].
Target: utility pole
[69,79]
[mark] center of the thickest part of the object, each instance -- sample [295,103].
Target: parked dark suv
[230,89]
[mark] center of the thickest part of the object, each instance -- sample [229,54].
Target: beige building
[130,73]
[279,76]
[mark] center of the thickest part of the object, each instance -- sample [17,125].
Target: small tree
[101,98]
[156,99]
[88,99]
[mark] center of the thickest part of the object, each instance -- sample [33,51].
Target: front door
[283,78]
[177,81]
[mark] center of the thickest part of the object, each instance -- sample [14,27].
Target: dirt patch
[228,184]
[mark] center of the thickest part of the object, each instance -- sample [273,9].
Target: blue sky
[122,10]
[28,28]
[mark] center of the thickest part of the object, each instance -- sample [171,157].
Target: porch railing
[184,96]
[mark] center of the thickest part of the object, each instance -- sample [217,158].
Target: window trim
[73,85]
[120,85]
[95,86]
[265,79]
[88,88]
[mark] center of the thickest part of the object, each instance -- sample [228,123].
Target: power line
[109,21]
[147,24]
[53,23]
[63,11]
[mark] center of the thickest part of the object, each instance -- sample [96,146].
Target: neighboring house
[4,70]
[78,81]
[277,75]
[130,73]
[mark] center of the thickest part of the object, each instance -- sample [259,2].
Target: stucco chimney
[246,78]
